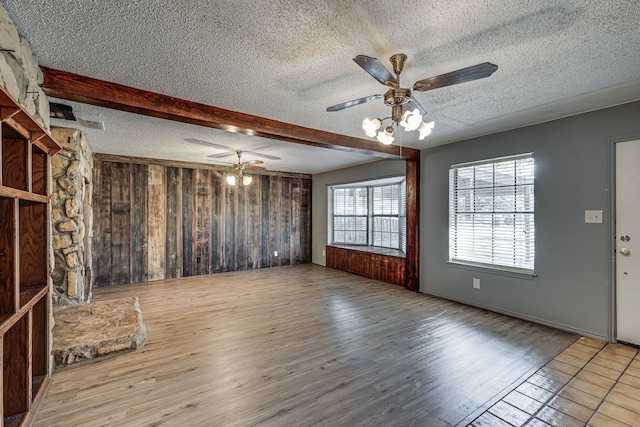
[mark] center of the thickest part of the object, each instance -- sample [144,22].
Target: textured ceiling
[289,60]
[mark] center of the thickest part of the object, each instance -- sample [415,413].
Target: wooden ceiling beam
[87,90]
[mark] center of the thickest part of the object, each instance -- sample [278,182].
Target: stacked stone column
[71,218]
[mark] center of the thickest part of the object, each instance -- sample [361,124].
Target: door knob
[625,252]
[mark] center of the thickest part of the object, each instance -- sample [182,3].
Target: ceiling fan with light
[240,167]
[406,111]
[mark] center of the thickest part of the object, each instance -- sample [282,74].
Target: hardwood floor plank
[299,345]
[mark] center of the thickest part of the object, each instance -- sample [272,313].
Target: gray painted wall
[572,167]
[320,182]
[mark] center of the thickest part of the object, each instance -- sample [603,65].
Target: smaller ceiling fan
[239,169]
[406,110]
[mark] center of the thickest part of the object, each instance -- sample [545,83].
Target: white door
[628,241]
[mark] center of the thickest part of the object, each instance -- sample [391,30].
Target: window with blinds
[388,216]
[491,213]
[350,215]
[373,215]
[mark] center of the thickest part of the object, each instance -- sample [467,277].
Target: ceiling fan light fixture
[398,97]
[231,180]
[425,129]
[411,120]
[386,136]
[246,180]
[371,126]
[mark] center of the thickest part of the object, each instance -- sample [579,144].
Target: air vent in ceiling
[61,111]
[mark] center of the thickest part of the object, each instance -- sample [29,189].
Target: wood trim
[74,87]
[8,112]
[22,195]
[37,400]
[18,127]
[29,166]
[16,256]
[29,379]
[413,224]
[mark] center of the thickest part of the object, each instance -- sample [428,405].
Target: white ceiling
[288,60]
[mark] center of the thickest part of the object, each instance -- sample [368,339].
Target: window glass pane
[504,174]
[483,176]
[350,215]
[491,213]
[388,204]
[505,199]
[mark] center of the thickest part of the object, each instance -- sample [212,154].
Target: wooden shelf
[25,150]
[22,195]
[40,387]
[12,113]
[29,297]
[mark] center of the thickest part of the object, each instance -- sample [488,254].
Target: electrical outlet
[324,253]
[197,260]
[476,283]
[275,253]
[593,217]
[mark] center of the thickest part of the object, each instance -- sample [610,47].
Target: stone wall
[19,71]
[71,217]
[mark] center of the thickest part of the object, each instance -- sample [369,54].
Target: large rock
[8,78]
[9,37]
[87,331]
[42,104]
[30,65]
[21,81]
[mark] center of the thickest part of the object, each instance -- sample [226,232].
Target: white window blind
[388,216]
[350,208]
[491,213]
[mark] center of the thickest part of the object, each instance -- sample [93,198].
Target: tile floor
[591,383]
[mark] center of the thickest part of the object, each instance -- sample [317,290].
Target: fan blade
[377,70]
[255,168]
[264,156]
[468,74]
[221,155]
[415,104]
[353,103]
[254,162]
[209,144]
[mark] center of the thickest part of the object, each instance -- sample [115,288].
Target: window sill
[493,270]
[372,249]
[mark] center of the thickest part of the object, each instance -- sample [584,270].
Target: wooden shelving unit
[25,151]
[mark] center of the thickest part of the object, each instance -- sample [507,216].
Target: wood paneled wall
[154,221]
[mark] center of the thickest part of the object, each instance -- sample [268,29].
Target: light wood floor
[300,345]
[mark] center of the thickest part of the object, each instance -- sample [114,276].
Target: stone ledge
[88,331]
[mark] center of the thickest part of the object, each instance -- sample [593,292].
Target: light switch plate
[593,217]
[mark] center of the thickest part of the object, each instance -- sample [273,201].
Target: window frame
[354,216]
[370,186]
[523,218]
